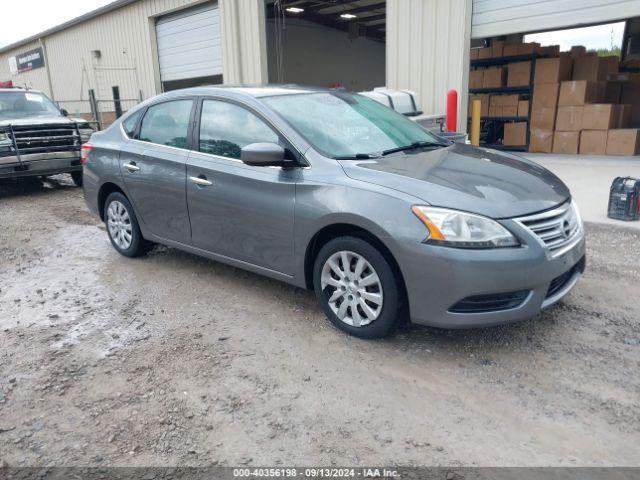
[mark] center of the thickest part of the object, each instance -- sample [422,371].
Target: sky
[23,18]
[591,37]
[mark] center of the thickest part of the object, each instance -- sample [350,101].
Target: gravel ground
[175,360]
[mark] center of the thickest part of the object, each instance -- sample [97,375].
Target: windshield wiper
[357,156]
[415,145]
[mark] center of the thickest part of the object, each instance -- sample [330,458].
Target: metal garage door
[189,43]
[501,17]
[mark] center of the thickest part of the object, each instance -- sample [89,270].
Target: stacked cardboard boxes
[579,103]
[549,74]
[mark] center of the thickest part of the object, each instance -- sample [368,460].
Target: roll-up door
[491,18]
[189,43]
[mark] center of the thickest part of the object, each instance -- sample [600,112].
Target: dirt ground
[175,360]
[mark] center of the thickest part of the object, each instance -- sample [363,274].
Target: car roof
[19,89]
[255,91]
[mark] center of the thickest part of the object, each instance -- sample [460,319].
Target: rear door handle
[132,167]
[201,181]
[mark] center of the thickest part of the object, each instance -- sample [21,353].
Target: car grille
[490,303]
[560,281]
[30,139]
[556,228]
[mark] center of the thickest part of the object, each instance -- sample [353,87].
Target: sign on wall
[27,61]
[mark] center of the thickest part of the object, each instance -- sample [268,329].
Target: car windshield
[340,124]
[20,104]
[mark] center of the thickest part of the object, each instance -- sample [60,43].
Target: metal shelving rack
[524,90]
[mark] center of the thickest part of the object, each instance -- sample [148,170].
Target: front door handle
[132,167]
[201,181]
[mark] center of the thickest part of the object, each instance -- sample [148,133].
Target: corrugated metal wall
[502,17]
[244,46]
[128,55]
[428,50]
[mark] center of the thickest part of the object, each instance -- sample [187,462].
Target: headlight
[463,230]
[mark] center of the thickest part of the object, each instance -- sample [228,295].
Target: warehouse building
[104,62]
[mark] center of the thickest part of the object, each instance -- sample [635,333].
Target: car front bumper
[438,278]
[40,164]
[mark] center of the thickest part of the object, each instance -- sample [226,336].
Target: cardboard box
[600,116]
[577,93]
[523,108]
[485,52]
[631,95]
[473,54]
[550,50]
[494,77]
[484,103]
[515,133]
[623,142]
[593,68]
[624,116]
[510,49]
[553,70]
[543,118]
[566,142]
[495,111]
[612,92]
[541,141]
[510,110]
[528,48]
[569,119]
[545,95]
[593,142]
[476,78]
[496,48]
[519,74]
[578,51]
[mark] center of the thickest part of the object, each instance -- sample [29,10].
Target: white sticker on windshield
[32,97]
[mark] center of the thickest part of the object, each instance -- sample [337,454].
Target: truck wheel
[122,227]
[77,178]
[357,288]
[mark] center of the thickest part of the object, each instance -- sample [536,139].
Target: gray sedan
[331,191]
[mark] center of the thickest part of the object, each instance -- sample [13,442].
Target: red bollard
[452,111]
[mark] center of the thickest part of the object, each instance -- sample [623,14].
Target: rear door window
[167,123]
[226,127]
[129,124]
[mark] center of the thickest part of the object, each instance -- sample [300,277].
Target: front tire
[122,226]
[357,288]
[77,178]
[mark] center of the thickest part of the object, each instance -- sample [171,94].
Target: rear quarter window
[130,123]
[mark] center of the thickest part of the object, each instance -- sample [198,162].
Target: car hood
[43,120]
[461,177]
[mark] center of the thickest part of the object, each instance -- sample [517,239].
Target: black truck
[37,138]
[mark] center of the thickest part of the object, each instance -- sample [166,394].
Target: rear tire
[77,178]
[357,288]
[122,227]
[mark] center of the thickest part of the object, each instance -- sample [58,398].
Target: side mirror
[64,112]
[263,155]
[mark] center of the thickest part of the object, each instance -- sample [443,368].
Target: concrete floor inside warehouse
[589,178]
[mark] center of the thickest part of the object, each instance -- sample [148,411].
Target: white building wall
[126,40]
[244,49]
[34,79]
[428,51]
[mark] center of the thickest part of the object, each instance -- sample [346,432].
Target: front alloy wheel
[353,287]
[357,287]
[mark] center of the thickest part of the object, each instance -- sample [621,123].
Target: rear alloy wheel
[77,178]
[122,226]
[357,288]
